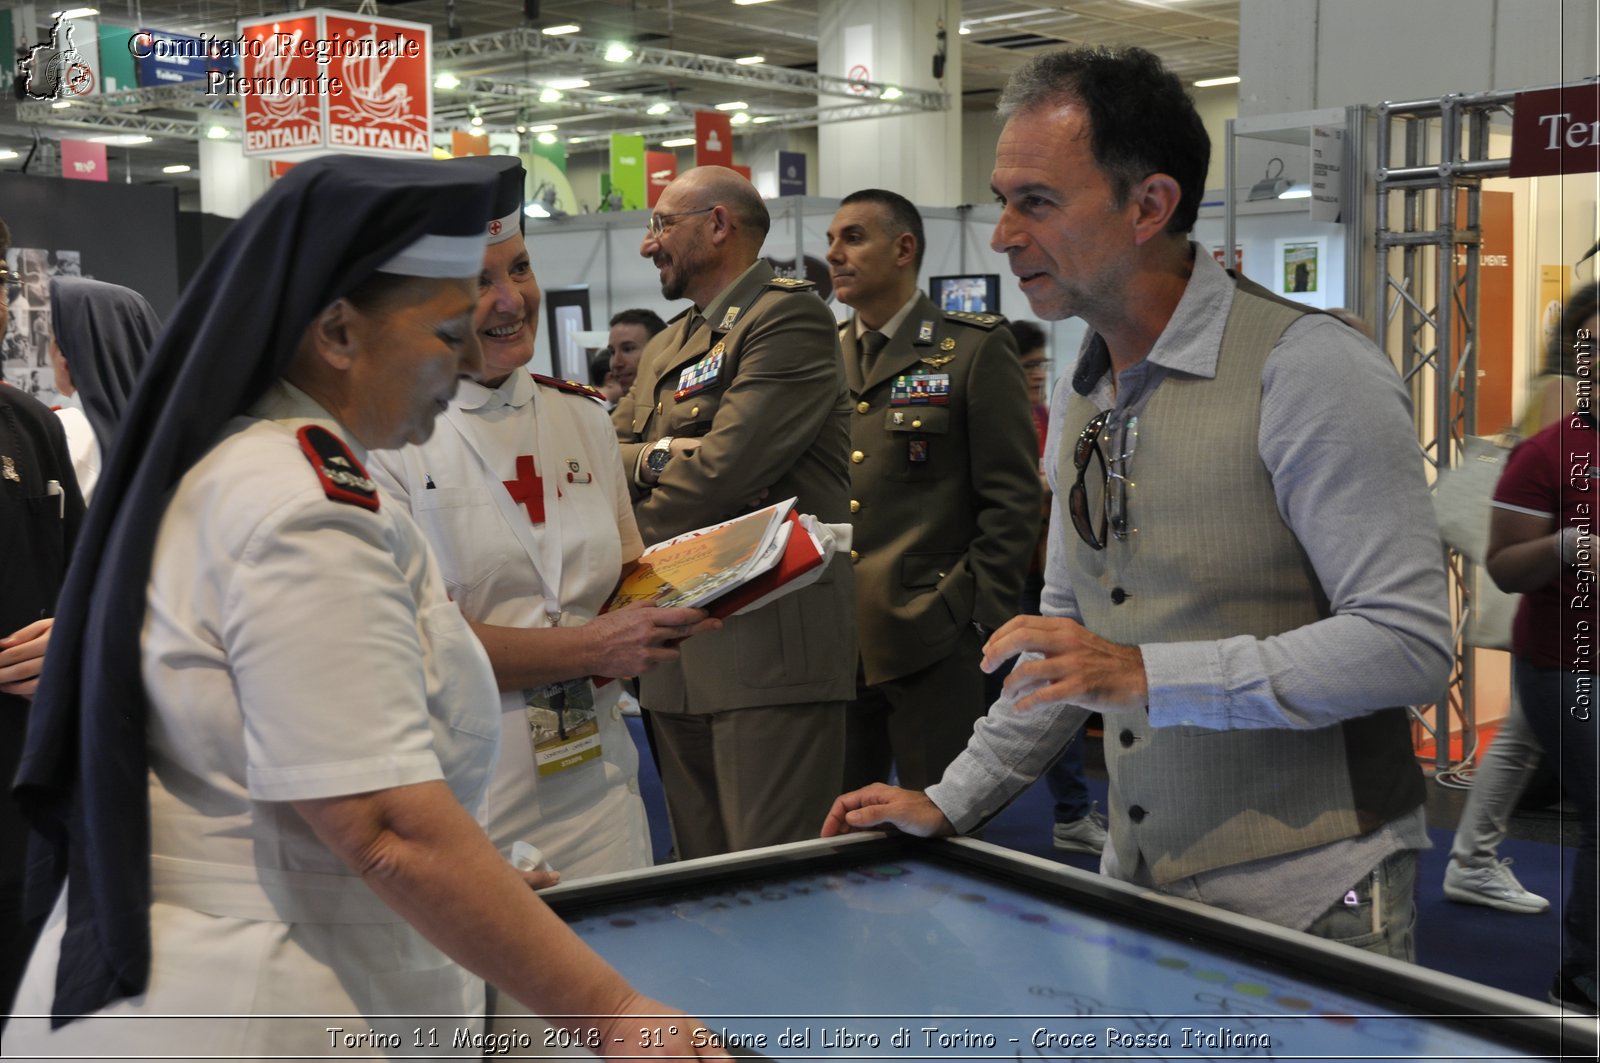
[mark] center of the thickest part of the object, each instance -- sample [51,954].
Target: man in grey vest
[1244,574]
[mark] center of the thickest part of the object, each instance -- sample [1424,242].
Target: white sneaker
[1494,886]
[1086,835]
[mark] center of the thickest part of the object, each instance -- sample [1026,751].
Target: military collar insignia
[729,318]
[8,469]
[925,332]
[343,477]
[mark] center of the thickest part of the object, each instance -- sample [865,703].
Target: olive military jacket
[944,482]
[758,379]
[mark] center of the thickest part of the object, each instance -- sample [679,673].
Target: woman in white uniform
[522,495]
[257,741]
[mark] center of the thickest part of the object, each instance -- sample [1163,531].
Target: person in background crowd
[1248,632]
[631,333]
[1542,545]
[944,494]
[99,336]
[742,399]
[522,496]
[1475,874]
[603,378]
[1077,825]
[40,513]
[249,770]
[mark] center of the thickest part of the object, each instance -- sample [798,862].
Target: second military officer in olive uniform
[741,402]
[944,494]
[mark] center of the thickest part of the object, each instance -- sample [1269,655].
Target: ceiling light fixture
[550,95]
[762,119]
[217,132]
[7,154]
[1211,83]
[179,168]
[122,139]
[556,31]
[76,12]
[548,127]
[679,142]
[567,83]
[1272,185]
[477,120]
[749,3]
[548,138]
[741,118]
[61,105]
[890,93]
[617,52]
[446,80]
[659,108]
[733,105]
[750,60]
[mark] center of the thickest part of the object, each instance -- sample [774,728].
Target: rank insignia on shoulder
[793,284]
[344,479]
[983,321]
[571,386]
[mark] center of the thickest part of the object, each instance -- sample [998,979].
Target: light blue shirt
[1336,437]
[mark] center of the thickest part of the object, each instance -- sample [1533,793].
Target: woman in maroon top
[1542,544]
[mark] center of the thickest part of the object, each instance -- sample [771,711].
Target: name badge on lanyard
[563,726]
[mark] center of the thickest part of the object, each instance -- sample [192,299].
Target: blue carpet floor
[1509,951]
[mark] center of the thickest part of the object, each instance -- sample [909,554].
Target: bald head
[708,185]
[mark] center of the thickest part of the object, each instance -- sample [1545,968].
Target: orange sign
[322,80]
[280,119]
[385,107]
[713,139]
[660,167]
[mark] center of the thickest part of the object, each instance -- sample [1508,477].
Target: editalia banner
[317,81]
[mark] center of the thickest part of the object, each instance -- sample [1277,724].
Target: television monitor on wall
[976,292]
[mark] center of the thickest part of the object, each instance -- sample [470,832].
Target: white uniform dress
[294,648]
[587,818]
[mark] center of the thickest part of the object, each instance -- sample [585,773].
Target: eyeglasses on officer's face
[1113,479]
[658,222]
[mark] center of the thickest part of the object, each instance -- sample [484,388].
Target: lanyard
[544,552]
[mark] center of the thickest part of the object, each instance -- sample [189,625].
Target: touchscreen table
[905,951]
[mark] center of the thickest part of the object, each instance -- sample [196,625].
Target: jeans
[1511,761]
[1379,913]
[1560,707]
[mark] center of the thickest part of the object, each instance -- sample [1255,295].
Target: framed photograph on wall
[1301,269]
[567,314]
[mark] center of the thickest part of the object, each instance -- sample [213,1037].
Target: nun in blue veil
[99,336]
[263,730]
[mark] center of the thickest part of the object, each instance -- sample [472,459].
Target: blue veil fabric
[317,233]
[104,332]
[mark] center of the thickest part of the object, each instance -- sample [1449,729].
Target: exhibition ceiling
[685,57]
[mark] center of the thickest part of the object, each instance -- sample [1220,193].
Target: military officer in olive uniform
[739,403]
[944,494]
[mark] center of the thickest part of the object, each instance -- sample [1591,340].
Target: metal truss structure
[1432,158]
[187,111]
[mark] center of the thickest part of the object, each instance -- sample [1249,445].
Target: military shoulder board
[571,386]
[344,479]
[791,284]
[983,321]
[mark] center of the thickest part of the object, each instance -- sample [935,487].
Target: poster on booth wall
[661,168]
[628,171]
[25,343]
[713,139]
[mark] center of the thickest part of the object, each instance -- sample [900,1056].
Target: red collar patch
[344,479]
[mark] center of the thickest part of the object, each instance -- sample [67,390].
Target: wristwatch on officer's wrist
[656,458]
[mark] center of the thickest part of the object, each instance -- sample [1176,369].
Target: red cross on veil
[528,489]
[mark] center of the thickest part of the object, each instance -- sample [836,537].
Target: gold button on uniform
[854,556]
[658,407]
[695,412]
[863,407]
[916,424]
[855,506]
[857,457]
